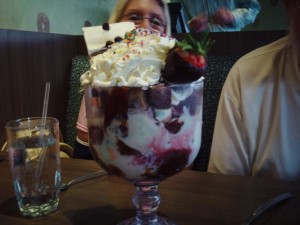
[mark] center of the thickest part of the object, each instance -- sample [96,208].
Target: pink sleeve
[82,121]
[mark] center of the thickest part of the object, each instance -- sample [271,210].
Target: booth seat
[80,64]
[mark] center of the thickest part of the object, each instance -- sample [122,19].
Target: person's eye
[156,21]
[134,17]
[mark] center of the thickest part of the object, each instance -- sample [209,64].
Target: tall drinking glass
[144,135]
[33,149]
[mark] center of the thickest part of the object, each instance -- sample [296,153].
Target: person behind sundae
[148,14]
[257,129]
[217,16]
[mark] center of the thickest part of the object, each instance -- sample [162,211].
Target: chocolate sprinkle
[108,43]
[118,39]
[105,26]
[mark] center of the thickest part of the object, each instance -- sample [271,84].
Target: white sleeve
[246,13]
[229,154]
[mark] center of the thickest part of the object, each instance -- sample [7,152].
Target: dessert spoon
[266,206]
[65,186]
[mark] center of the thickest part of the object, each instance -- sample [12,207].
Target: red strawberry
[193,58]
[186,62]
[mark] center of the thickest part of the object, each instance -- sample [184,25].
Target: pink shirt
[82,121]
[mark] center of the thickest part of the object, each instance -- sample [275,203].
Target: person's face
[146,14]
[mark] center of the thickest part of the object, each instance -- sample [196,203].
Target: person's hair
[121,4]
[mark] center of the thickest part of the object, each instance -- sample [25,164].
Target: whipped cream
[135,61]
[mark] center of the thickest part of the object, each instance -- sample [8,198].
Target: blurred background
[69,16]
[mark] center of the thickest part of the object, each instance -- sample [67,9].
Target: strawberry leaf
[201,47]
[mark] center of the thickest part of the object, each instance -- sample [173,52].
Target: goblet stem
[146,200]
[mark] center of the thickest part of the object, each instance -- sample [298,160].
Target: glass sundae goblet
[144,135]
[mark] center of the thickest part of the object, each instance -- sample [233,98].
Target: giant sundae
[144,117]
[143,97]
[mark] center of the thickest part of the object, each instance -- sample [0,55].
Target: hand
[223,17]
[198,23]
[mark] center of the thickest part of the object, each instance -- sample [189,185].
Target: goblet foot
[158,221]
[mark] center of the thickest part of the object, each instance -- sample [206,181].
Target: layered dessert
[143,124]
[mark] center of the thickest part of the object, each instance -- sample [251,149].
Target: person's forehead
[144,6]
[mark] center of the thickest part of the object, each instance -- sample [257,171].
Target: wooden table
[189,198]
